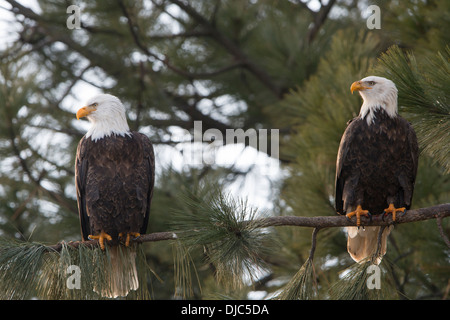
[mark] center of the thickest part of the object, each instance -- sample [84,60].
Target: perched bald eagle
[376,165]
[114,177]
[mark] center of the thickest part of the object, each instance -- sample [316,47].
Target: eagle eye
[94,104]
[371,83]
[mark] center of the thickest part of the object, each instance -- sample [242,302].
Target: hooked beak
[358,86]
[85,111]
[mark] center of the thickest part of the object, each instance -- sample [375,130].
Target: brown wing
[408,167]
[149,156]
[81,166]
[341,174]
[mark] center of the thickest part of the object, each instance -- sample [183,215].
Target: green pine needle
[232,241]
[302,286]
[183,263]
[30,270]
[424,97]
[359,283]
[20,265]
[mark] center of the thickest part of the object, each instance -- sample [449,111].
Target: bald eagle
[376,165]
[114,178]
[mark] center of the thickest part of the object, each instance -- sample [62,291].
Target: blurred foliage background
[231,64]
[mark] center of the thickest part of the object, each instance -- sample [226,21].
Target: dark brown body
[114,178]
[376,164]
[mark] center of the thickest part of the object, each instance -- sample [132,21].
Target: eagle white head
[377,93]
[107,116]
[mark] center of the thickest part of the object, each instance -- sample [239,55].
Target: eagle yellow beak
[358,86]
[83,112]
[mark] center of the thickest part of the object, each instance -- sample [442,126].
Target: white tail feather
[362,243]
[123,274]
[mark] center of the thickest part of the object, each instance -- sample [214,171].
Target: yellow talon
[358,213]
[101,239]
[129,234]
[392,209]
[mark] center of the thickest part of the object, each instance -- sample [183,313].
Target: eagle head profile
[377,93]
[107,115]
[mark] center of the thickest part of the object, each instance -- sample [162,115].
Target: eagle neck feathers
[101,129]
[387,103]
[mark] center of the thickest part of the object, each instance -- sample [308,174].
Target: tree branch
[151,237]
[165,60]
[45,30]
[441,231]
[441,210]
[14,139]
[319,20]
[313,243]
[232,48]
[435,212]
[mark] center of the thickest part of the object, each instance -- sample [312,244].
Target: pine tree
[231,64]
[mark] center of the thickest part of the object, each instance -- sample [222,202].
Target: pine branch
[232,48]
[319,20]
[441,210]
[151,237]
[434,212]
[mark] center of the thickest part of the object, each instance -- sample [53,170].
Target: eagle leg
[128,237]
[101,238]
[358,213]
[392,209]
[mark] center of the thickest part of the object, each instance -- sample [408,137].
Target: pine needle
[225,229]
[29,270]
[183,275]
[365,281]
[302,286]
[20,264]
[424,96]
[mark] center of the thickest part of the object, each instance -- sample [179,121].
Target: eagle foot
[101,239]
[393,210]
[128,237]
[358,213]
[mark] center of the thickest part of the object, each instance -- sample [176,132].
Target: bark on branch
[441,210]
[435,212]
